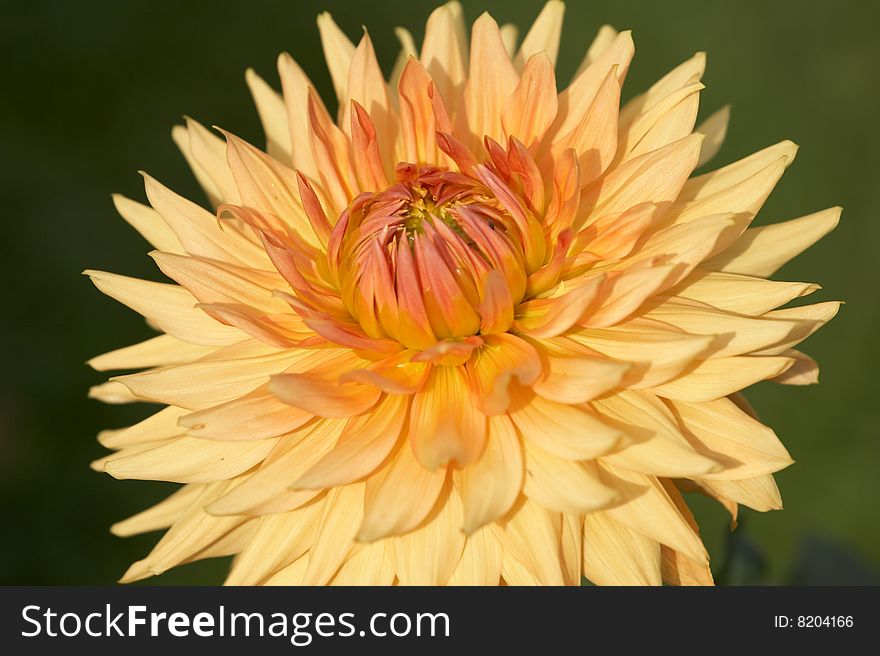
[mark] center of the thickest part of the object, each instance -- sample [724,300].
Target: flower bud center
[420,252]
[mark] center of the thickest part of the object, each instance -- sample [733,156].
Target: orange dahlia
[473,330]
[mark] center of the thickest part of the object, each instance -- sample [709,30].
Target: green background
[91,90]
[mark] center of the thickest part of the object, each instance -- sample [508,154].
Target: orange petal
[323,396]
[444,425]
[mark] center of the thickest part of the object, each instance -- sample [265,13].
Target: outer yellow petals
[762,251]
[364,444]
[567,431]
[472,329]
[148,223]
[651,512]
[657,445]
[489,487]
[430,554]
[277,541]
[169,307]
[154,352]
[617,555]
[563,485]
[544,34]
[718,377]
[744,446]
[273,115]
[400,496]
[189,460]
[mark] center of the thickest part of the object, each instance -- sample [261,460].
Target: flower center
[416,258]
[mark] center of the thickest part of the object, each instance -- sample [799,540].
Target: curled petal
[501,360]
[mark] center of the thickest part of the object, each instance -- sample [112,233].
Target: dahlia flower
[471,330]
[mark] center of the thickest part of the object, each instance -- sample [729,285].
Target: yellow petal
[480,562]
[657,445]
[731,176]
[490,486]
[254,416]
[678,569]
[567,431]
[290,575]
[364,444]
[622,294]
[213,281]
[617,555]
[533,536]
[715,129]
[295,86]
[169,307]
[562,485]
[717,377]
[268,186]
[668,120]
[594,136]
[430,554]
[338,51]
[528,113]
[654,177]
[366,86]
[218,381]
[491,81]
[575,101]
[273,115]
[444,51]
[154,352]
[189,460]
[544,34]
[658,353]
[737,293]
[805,370]
[192,533]
[762,251]
[502,359]
[399,497]
[685,73]
[148,223]
[369,564]
[340,518]
[205,153]
[603,40]
[271,482]
[323,396]
[737,334]
[162,515]
[573,374]
[158,426]
[759,493]
[200,232]
[651,512]
[277,541]
[745,446]
[444,425]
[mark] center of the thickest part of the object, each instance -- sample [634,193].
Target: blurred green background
[91,90]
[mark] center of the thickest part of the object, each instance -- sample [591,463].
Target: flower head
[475,330]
